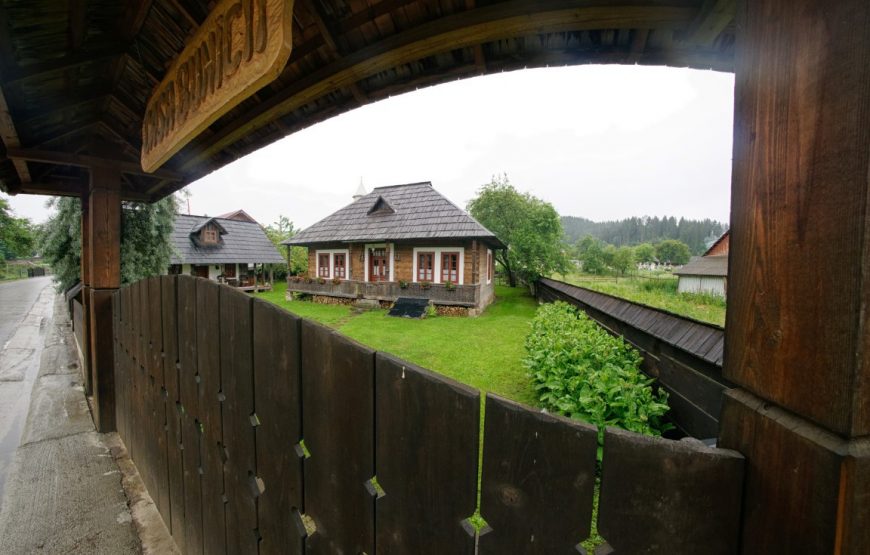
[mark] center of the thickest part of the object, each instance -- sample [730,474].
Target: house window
[339,265]
[209,236]
[488,266]
[323,265]
[450,267]
[425,266]
[379,264]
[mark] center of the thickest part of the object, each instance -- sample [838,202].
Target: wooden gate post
[86,294]
[798,325]
[104,239]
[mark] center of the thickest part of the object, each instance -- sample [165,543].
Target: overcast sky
[603,142]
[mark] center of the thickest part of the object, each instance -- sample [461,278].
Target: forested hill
[632,231]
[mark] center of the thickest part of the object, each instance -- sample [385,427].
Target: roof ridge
[429,183]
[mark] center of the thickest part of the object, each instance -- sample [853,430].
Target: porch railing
[458,295]
[244,420]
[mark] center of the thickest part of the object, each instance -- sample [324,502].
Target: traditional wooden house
[229,250]
[400,241]
[708,273]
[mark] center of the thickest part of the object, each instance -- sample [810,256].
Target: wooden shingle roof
[716,266]
[242,242]
[397,212]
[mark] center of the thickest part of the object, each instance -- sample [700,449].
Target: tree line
[697,234]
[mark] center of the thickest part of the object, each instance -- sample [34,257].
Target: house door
[379,265]
[200,271]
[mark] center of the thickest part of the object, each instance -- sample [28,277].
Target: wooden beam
[134,18]
[78,23]
[460,30]
[638,44]
[711,20]
[10,138]
[96,92]
[316,11]
[67,62]
[194,24]
[86,161]
[477,49]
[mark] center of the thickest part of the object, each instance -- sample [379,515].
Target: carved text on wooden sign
[241,46]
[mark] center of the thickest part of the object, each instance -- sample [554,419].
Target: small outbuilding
[707,274]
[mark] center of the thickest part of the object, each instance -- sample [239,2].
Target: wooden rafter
[713,17]
[329,38]
[459,30]
[477,49]
[85,161]
[70,61]
[78,22]
[10,138]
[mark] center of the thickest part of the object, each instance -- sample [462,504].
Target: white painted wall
[702,284]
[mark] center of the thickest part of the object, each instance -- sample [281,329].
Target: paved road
[16,298]
[25,305]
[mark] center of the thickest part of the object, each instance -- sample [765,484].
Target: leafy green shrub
[581,371]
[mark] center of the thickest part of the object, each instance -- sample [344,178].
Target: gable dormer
[207,233]
[381,206]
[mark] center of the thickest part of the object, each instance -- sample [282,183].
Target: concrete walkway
[63,491]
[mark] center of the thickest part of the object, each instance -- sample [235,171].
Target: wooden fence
[256,431]
[684,355]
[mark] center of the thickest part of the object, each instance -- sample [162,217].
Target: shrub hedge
[580,370]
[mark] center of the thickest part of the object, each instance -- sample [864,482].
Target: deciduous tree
[528,226]
[672,251]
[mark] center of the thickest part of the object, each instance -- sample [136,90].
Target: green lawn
[484,352]
[659,292]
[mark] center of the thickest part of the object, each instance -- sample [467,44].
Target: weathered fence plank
[169,315]
[157,391]
[664,496]
[338,431]
[279,461]
[427,454]
[191,434]
[210,407]
[237,375]
[538,480]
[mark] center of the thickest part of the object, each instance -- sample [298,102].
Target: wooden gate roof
[75,76]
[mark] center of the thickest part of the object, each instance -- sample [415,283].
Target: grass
[659,292]
[484,352]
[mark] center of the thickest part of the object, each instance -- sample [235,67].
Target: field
[657,290]
[484,352]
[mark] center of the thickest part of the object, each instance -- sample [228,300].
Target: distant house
[707,273]
[400,241]
[231,250]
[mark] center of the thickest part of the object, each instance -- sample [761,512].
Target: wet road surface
[25,306]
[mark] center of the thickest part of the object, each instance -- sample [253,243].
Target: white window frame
[437,269]
[332,253]
[490,266]
[391,247]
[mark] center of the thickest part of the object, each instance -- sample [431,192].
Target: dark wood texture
[191,431]
[174,438]
[157,394]
[210,414]
[338,430]
[664,496]
[798,297]
[800,481]
[684,355]
[237,386]
[277,383]
[427,453]
[538,480]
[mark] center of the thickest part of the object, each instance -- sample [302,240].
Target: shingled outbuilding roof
[705,266]
[242,242]
[397,212]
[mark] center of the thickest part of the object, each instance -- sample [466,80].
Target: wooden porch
[438,293]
